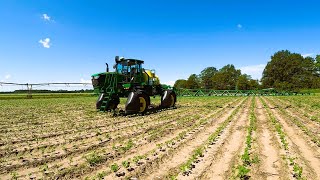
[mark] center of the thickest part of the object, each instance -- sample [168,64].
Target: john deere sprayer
[134,82]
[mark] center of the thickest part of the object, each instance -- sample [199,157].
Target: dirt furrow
[34,136]
[63,161]
[74,126]
[309,130]
[271,164]
[190,136]
[178,158]
[306,103]
[90,136]
[60,153]
[307,154]
[220,159]
[296,113]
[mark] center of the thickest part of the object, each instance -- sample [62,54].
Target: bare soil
[70,140]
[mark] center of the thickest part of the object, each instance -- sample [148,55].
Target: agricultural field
[251,137]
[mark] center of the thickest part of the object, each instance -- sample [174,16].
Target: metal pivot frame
[211,92]
[30,86]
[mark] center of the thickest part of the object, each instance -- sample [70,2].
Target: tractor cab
[130,69]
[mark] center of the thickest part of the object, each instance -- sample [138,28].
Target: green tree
[288,70]
[316,80]
[254,84]
[193,82]
[180,83]
[317,65]
[206,75]
[243,82]
[226,78]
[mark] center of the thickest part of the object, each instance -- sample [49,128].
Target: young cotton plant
[114,167]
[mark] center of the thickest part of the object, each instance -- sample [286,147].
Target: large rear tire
[137,102]
[144,101]
[168,99]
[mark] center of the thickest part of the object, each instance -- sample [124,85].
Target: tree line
[285,71]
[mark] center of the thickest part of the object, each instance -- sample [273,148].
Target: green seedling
[114,167]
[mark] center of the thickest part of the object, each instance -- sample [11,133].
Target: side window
[119,68]
[138,67]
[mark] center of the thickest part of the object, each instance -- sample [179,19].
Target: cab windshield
[123,68]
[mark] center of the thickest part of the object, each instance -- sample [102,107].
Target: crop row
[157,155]
[72,138]
[305,112]
[297,169]
[83,146]
[80,159]
[248,158]
[297,121]
[186,167]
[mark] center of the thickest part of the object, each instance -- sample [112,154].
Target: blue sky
[67,41]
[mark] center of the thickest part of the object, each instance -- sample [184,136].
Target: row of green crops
[297,169]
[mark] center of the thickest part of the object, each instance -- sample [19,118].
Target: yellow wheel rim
[143,104]
[172,100]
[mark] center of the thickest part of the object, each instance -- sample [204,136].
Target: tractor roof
[130,62]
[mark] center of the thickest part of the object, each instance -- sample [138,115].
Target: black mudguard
[99,101]
[165,98]
[133,103]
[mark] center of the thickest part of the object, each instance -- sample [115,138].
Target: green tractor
[134,82]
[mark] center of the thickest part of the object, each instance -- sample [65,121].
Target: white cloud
[239,26]
[8,76]
[171,83]
[255,71]
[46,17]
[85,81]
[45,42]
[306,55]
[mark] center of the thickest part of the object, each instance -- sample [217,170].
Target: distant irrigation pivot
[43,84]
[180,91]
[30,86]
